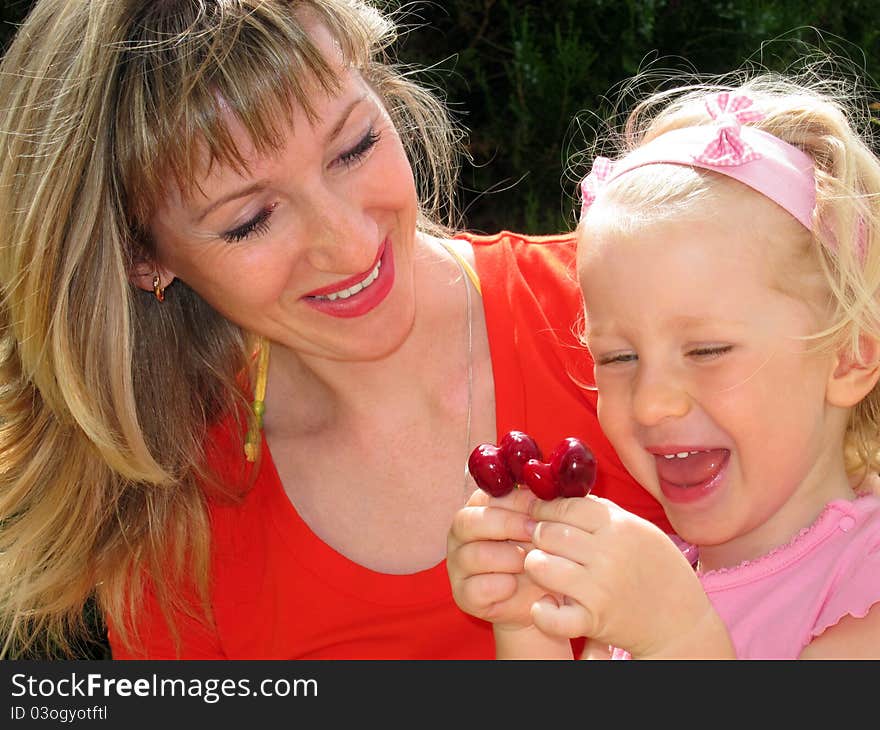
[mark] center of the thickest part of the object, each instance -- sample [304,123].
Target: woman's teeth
[352,290]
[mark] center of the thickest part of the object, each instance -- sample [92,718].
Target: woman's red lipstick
[347,299]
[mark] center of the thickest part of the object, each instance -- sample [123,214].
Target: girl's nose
[658,397]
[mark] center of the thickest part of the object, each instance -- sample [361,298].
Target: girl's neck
[800,511]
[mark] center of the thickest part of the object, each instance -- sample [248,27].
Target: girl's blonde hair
[824,118]
[106,395]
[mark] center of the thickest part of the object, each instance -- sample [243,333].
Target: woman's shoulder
[536,261]
[512,238]
[552,246]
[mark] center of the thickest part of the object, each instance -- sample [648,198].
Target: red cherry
[574,468]
[517,448]
[538,477]
[489,470]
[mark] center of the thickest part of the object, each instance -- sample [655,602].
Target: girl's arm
[530,643]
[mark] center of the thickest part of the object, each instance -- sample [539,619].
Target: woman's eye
[257,225]
[359,151]
[710,352]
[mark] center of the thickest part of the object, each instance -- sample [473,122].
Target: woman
[186,186]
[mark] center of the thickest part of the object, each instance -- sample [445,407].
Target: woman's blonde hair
[826,117]
[106,395]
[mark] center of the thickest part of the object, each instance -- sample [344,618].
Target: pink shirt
[775,605]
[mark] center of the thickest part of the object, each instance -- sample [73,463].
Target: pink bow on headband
[725,150]
[730,112]
[593,182]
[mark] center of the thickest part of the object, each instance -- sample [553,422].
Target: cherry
[489,470]
[538,477]
[574,468]
[517,448]
[571,471]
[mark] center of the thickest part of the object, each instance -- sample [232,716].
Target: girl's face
[312,245]
[705,389]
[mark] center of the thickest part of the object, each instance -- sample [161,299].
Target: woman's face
[312,244]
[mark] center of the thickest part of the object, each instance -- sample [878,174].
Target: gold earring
[158,289]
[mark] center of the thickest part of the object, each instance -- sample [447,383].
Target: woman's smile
[358,294]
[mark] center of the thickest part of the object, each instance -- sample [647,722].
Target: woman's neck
[321,393]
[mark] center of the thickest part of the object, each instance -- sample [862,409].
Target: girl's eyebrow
[259,185]
[687,321]
[681,322]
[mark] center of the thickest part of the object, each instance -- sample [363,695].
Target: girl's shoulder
[776,604]
[843,531]
[860,516]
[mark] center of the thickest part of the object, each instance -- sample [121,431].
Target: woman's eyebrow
[231,195]
[343,117]
[257,186]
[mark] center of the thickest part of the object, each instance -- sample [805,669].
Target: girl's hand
[486,547]
[626,583]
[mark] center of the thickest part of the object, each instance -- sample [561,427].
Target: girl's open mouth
[689,475]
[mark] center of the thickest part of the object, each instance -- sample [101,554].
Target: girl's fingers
[587,513]
[558,575]
[567,619]
[564,540]
[479,594]
[518,500]
[487,556]
[490,522]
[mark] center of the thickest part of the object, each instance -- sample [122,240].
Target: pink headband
[756,158]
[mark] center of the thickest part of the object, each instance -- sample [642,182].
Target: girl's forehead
[725,207]
[742,260]
[749,237]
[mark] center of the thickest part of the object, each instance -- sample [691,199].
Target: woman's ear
[854,374]
[143,275]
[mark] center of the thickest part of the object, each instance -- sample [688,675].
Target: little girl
[730,268]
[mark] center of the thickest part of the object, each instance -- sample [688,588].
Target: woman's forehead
[235,107]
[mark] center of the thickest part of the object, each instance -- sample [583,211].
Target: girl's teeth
[680,455]
[352,290]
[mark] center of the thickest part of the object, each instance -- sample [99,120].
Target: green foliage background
[517,73]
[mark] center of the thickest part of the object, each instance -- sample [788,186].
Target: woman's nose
[341,236]
[658,396]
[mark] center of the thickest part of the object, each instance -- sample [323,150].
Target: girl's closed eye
[615,358]
[709,352]
[257,225]
[359,151]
